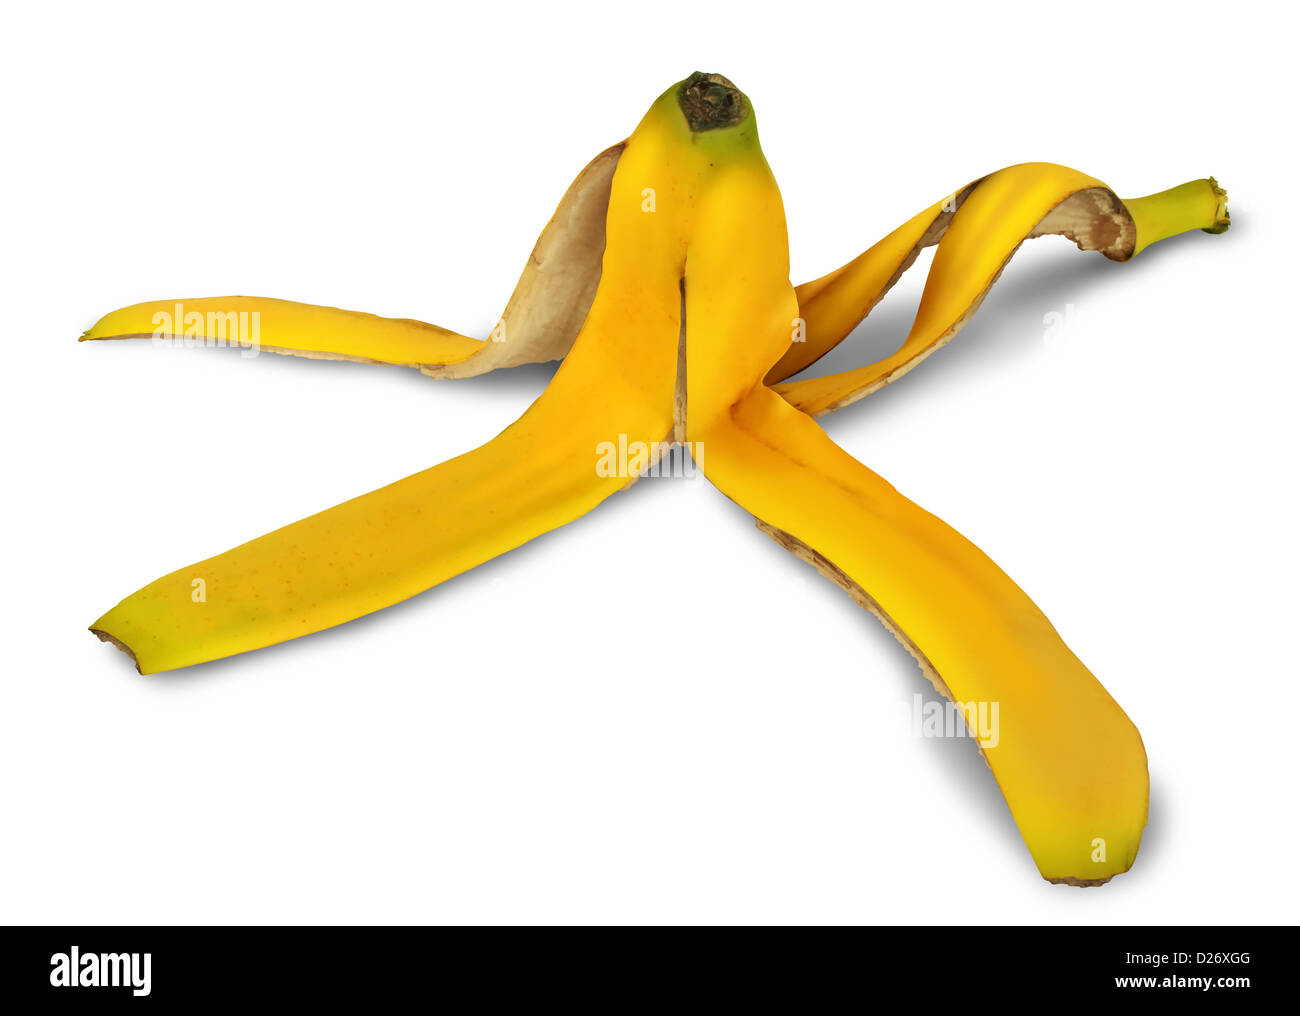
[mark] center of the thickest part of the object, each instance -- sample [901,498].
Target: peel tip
[112,640]
[1081,883]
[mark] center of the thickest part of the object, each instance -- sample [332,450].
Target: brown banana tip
[106,637]
[710,101]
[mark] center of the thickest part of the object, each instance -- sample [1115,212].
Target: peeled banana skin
[682,325]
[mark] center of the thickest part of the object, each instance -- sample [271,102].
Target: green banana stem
[1198,204]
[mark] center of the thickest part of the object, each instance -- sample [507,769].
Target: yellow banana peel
[662,283]
[539,324]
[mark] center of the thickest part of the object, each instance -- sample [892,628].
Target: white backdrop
[550,737]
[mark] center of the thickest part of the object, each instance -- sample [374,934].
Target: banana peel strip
[1069,762]
[978,230]
[386,546]
[542,318]
[686,328]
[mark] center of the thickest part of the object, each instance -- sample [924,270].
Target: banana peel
[542,318]
[662,283]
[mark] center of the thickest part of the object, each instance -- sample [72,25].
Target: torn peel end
[1081,883]
[1095,219]
[1222,220]
[1086,882]
[114,641]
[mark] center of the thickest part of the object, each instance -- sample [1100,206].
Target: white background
[550,738]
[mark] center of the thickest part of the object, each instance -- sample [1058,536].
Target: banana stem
[1199,204]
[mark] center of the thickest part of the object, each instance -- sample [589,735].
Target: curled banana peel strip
[978,229]
[687,327]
